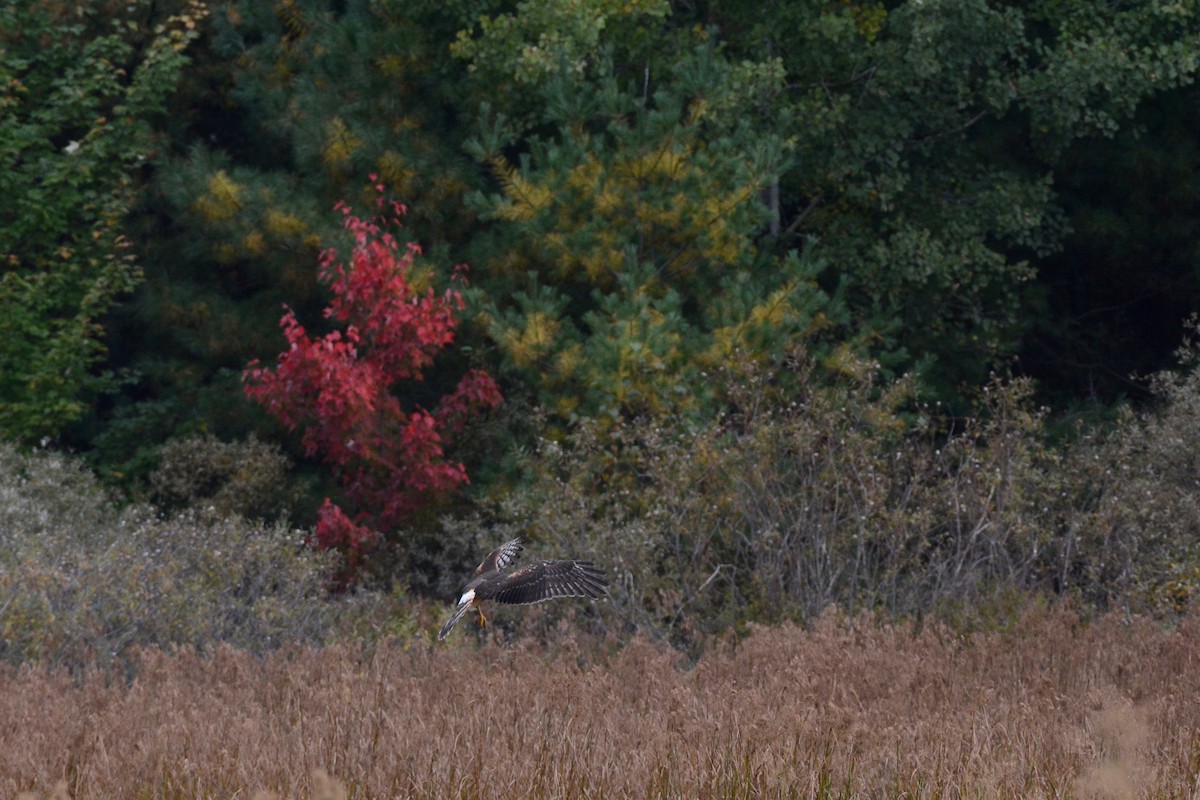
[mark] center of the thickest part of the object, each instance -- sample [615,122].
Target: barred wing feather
[545,580]
[501,557]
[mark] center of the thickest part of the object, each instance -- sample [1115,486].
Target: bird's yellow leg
[482,618]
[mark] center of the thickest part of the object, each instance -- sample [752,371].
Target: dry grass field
[1051,708]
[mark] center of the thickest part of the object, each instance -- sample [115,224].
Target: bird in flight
[533,583]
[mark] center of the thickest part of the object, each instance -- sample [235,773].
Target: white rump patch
[467,597]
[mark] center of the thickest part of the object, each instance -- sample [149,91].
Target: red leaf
[337,388]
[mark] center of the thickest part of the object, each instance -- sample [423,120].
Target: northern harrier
[533,583]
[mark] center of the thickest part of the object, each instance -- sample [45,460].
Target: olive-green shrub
[806,494]
[82,581]
[1134,532]
[248,478]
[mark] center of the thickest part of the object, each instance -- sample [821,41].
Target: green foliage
[240,211]
[1099,64]
[624,260]
[924,146]
[383,67]
[910,149]
[80,85]
[218,270]
[248,478]
[513,52]
[654,189]
[650,195]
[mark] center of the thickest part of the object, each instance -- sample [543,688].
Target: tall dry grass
[1052,708]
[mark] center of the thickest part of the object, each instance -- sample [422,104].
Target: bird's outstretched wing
[534,583]
[545,580]
[501,557]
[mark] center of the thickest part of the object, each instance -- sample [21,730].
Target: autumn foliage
[340,388]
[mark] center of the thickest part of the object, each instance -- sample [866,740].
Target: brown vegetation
[197,654]
[1053,707]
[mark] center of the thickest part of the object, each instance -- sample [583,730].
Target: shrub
[1134,533]
[801,498]
[83,582]
[247,478]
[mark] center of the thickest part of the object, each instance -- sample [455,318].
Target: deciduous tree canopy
[80,87]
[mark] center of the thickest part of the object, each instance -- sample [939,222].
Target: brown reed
[1053,707]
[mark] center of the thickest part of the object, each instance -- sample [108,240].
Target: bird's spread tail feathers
[462,609]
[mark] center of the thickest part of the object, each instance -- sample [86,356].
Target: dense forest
[766,306]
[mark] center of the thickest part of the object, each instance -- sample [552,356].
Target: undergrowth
[806,494]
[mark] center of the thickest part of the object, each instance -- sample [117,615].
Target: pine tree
[625,262]
[240,211]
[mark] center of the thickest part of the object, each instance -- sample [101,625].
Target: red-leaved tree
[340,388]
